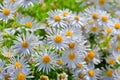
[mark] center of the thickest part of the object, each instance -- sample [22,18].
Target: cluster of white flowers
[85,44]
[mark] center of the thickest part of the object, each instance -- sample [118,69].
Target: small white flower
[46,60]
[25,43]
[55,19]
[6,11]
[71,58]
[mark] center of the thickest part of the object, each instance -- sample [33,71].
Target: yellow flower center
[71,45]
[72,56]
[118,58]
[6,11]
[21,76]
[79,65]
[46,59]
[0,70]
[109,73]
[118,48]
[69,33]
[76,18]
[65,13]
[12,0]
[101,2]
[95,15]
[81,75]
[117,25]
[111,61]
[94,28]
[28,24]
[18,65]
[108,30]
[91,54]
[25,44]
[58,38]
[57,18]
[91,73]
[104,18]
[60,62]
[44,77]
[118,37]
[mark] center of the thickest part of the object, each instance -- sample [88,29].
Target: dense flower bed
[79,44]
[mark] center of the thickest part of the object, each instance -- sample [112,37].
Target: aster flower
[31,24]
[55,19]
[46,60]
[92,73]
[71,58]
[25,43]
[7,11]
[20,75]
[8,52]
[92,57]
[18,64]
[66,13]
[110,60]
[56,39]
[105,19]
[108,74]
[80,74]
[77,20]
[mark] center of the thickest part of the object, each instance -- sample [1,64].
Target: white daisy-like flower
[8,52]
[56,19]
[6,11]
[108,74]
[92,57]
[66,13]
[92,13]
[105,19]
[116,25]
[20,75]
[71,32]
[103,4]
[71,58]
[31,24]
[56,39]
[110,60]
[26,3]
[92,73]
[93,28]
[25,43]
[2,70]
[18,64]
[77,20]
[80,74]
[46,60]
